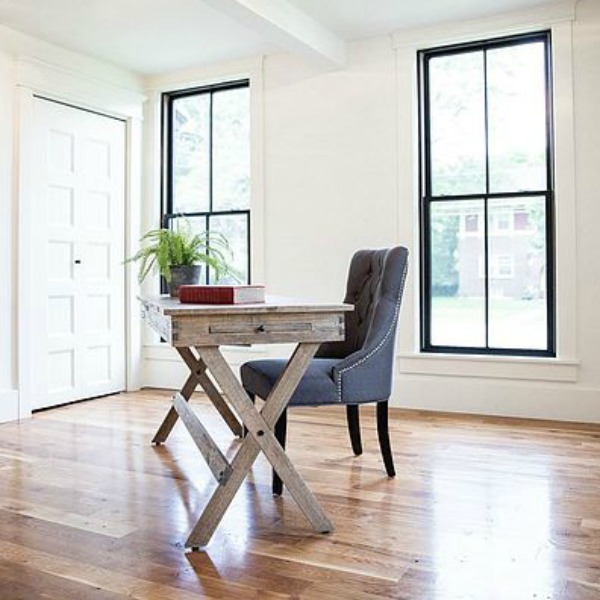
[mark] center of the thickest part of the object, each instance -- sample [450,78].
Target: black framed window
[487,197]
[206,164]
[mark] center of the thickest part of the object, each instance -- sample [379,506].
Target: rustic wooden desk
[197,331]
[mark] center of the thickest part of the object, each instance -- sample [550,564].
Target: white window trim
[161,364]
[564,367]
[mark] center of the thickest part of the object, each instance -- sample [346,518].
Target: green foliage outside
[444,247]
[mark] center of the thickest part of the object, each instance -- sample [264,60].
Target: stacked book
[221,294]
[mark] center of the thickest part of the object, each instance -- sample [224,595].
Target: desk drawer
[257,329]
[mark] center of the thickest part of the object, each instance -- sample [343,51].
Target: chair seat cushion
[316,387]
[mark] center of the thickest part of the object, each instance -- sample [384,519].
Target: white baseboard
[163,368]
[557,402]
[9,405]
[552,400]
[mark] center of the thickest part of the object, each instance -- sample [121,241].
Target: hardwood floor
[481,508]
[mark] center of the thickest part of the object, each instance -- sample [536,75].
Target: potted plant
[180,254]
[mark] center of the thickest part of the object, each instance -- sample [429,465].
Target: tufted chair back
[368,271]
[375,286]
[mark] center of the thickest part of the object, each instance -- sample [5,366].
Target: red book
[221,294]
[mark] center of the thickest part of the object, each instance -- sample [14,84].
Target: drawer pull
[249,328]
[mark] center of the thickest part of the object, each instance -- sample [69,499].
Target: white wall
[29,66]
[338,156]
[586,54]
[334,168]
[8,390]
[340,174]
[330,167]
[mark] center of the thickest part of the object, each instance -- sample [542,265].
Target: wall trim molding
[499,25]
[9,405]
[163,368]
[506,398]
[80,94]
[490,367]
[61,83]
[565,366]
[206,75]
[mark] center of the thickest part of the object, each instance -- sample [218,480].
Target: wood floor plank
[27,582]
[482,508]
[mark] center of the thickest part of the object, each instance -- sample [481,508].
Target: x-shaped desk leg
[197,376]
[261,438]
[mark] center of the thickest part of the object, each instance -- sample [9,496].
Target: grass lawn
[514,323]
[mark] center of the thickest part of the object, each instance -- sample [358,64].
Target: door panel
[80,184]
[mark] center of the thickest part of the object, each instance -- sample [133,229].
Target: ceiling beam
[288,27]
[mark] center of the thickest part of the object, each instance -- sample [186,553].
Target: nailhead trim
[381,344]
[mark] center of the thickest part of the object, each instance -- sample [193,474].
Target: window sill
[490,367]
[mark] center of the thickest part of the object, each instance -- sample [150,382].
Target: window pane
[231,149]
[235,229]
[517,271]
[457,124]
[457,274]
[191,163]
[517,118]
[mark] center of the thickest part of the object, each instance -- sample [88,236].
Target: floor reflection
[491,532]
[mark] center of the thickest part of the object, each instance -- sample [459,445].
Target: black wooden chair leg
[384,438]
[353,419]
[280,434]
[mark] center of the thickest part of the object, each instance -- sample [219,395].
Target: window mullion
[210,152]
[426,192]
[207,227]
[550,207]
[486,244]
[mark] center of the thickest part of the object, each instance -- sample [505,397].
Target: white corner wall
[330,167]
[9,408]
[586,67]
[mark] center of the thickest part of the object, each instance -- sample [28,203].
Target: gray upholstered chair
[357,370]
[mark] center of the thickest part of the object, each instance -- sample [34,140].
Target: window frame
[426,198]
[166,183]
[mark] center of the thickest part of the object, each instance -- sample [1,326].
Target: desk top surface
[273,304]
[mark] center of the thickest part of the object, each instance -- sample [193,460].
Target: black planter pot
[183,275]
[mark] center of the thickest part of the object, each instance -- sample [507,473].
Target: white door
[79,182]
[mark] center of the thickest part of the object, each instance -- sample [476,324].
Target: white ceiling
[157,36]
[355,19]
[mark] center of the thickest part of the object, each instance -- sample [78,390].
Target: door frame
[41,80]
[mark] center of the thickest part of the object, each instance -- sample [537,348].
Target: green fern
[163,248]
